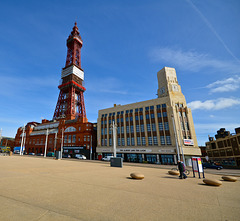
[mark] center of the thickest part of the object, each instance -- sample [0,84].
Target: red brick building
[69,129]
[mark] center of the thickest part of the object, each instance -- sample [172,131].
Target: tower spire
[74,44]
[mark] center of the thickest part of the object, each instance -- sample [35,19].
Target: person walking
[180,168]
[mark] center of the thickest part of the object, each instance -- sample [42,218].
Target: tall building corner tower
[70,104]
[169,89]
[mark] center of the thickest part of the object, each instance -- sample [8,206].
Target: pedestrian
[184,175]
[181,169]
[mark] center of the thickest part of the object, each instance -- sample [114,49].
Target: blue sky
[125,44]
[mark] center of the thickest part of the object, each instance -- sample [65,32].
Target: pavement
[37,188]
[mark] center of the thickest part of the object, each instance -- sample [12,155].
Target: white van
[80,157]
[107,158]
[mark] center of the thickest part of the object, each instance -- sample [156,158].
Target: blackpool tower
[70,104]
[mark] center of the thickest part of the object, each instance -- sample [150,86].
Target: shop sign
[134,150]
[73,148]
[188,142]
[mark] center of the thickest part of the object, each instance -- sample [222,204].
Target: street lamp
[22,142]
[45,151]
[113,128]
[176,139]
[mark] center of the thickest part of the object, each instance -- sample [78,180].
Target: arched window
[70,129]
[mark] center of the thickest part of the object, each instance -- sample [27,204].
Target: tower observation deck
[70,104]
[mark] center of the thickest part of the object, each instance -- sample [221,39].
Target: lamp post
[91,149]
[61,145]
[21,149]
[45,151]
[176,139]
[114,127]
[55,141]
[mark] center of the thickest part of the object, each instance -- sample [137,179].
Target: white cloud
[190,60]
[229,84]
[217,104]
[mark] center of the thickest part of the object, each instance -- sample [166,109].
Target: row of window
[137,118]
[136,110]
[141,141]
[139,128]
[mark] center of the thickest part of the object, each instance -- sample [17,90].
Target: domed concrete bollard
[229,178]
[212,182]
[137,176]
[173,172]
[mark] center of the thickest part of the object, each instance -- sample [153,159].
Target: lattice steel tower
[70,104]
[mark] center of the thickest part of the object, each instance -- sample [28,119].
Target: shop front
[73,151]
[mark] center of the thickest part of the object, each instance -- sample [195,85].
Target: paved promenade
[35,188]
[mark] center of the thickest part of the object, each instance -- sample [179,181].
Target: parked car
[31,154]
[39,154]
[50,154]
[66,156]
[81,157]
[107,158]
[212,166]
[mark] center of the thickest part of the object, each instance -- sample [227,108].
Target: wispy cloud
[190,60]
[218,104]
[209,25]
[229,84]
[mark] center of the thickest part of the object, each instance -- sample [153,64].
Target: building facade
[69,130]
[145,130]
[225,148]
[7,142]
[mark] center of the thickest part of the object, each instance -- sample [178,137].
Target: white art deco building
[145,130]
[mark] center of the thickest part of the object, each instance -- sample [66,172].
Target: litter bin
[116,161]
